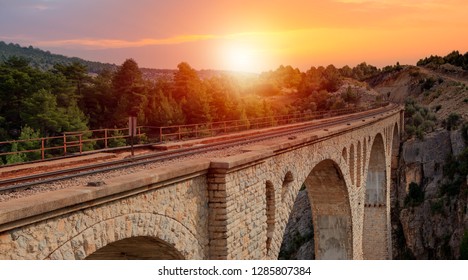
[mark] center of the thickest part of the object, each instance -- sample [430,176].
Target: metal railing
[190,131]
[98,139]
[69,142]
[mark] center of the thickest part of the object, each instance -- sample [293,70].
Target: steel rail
[14,184]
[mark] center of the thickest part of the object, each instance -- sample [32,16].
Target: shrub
[427,84]
[410,130]
[464,247]
[437,207]
[117,142]
[464,131]
[420,133]
[456,171]
[415,195]
[452,121]
[418,120]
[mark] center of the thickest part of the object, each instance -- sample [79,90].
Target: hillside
[45,60]
[444,90]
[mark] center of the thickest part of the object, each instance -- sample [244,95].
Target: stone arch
[270,213]
[376,173]
[288,179]
[137,248]
[331,212]
[351,164]
[375,235]
[143,229]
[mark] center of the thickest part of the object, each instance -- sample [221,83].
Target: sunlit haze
[242,35]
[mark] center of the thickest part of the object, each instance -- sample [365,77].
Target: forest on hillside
[454,58]
[43,103]
[66,98]
[45,60]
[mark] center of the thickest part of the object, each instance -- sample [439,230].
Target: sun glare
[241,58]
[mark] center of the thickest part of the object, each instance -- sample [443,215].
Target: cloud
[97,44]
[37,5]
[89,43]
[401,3]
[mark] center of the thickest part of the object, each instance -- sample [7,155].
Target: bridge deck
[45,165]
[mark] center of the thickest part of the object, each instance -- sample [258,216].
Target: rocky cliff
[298,239]
[429,199]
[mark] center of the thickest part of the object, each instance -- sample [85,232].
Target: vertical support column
[376,207]
[217,217]
[237,219]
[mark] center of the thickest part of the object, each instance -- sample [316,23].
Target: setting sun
[240,58]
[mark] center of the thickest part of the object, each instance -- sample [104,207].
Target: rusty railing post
[105,138]
[64,144]
[81,144]
[42,148]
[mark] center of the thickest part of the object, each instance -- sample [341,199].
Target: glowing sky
[243,35]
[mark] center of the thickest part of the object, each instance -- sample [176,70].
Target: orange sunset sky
[239,35]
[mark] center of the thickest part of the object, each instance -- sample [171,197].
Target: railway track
[27,182]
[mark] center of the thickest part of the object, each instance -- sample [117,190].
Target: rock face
[431,227]
[428,229]
[298,239]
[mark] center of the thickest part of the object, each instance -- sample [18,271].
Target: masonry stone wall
[176,214]
[244,223]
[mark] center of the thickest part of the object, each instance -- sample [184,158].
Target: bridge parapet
[235,207]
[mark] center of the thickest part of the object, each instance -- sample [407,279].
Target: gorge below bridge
[234,207]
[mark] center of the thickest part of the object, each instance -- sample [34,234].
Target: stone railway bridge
[235,207]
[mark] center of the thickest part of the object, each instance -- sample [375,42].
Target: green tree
[185,80]
[197,106]
[42,113]
[129,88]
[16,84]
[191,93]
[163,110]
[15,158]
[331,79]
[26,134]
[29,97]
[346,71]
[223,93]
[350,95]
[311,82]
[75,74]
[99,103]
